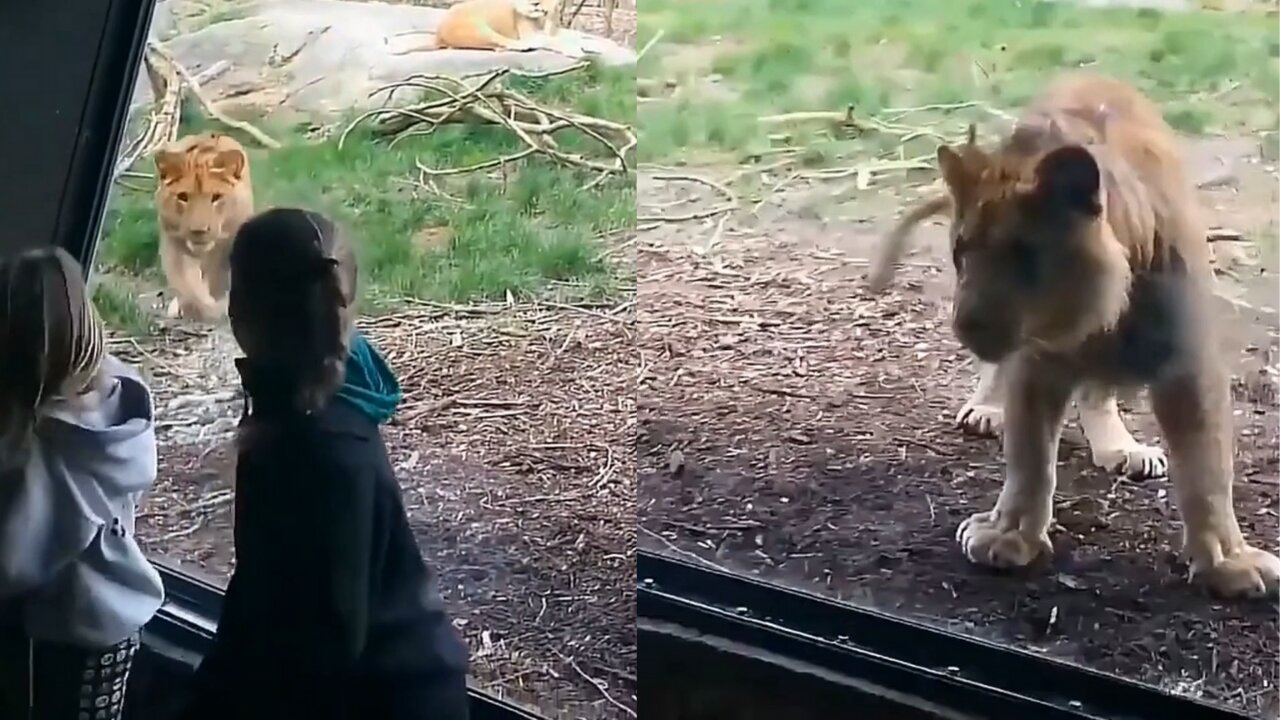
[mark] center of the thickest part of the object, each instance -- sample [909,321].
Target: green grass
[1214,72]
[507,235]
[117,304]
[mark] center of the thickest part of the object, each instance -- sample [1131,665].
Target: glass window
[799,427]
[493,220]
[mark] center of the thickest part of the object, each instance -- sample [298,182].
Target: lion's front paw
[207,312]
[1139,462]
[980,419]
[995,539]
[1247,573]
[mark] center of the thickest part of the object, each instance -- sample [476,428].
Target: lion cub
[203,195]
[1082,262]
[514,25]
[1111,445]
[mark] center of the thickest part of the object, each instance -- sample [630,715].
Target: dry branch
[846,122]
[170,81]
[729,205]
[193,86]
[162,120]
[451,100]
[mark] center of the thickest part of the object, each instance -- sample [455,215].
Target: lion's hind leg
[1113,448]
[1195,417]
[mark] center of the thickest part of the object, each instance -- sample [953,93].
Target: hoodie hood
[370,384]
[109,438]
[68,557]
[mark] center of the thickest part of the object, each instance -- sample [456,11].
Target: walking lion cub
[203,195]
[1082,263]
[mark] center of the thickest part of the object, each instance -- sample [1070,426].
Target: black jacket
[331,611]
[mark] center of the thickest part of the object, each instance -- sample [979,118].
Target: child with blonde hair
[77,451]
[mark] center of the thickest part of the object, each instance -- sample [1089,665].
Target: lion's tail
[895,244]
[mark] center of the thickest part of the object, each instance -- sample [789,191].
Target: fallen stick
[193,85]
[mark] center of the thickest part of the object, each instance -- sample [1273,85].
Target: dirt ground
[514,447]
[792,426]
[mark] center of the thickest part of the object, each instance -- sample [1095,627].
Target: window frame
[71,125]
[859,645]
[66,141]
[188,622]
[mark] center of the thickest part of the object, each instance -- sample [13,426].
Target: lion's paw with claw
[981,419]
[995,539]
[1135,461]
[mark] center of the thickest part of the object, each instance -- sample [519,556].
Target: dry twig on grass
[451,100]
[729,205]
[170,81]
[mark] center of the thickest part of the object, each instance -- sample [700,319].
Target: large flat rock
[323,57]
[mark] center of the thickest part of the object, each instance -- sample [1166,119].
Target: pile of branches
[170,84]
[486,100]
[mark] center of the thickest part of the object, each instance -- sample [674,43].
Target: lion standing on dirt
[203,195]
[1082,263]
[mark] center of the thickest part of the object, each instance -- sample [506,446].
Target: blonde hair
[52,338]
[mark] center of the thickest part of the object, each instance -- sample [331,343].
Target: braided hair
[52,338]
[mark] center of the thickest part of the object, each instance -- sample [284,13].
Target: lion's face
[200,180]
[1036,263]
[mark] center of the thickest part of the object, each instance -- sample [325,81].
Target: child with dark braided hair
[77,451]
[331,611]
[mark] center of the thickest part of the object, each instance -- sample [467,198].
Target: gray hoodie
[68,558]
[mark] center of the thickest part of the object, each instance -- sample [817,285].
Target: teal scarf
[370,385]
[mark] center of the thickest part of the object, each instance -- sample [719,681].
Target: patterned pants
[61,682]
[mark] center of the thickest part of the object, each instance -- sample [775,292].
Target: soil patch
[514,450]
[794,427]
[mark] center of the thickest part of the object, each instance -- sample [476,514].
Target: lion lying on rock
[512,25]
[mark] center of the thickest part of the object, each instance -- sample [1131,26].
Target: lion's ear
[954,171]
[960,169]
[169,165]
[231,163]
[1069,177]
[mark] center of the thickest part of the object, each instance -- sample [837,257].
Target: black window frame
[70,70]
[851,645]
